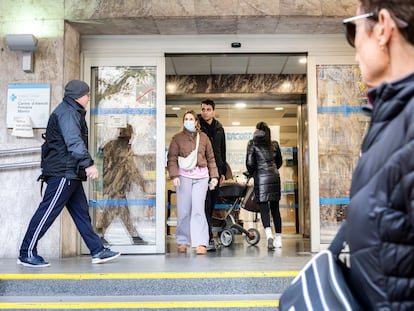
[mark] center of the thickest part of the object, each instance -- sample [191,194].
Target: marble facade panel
[257,25]
[23,10]
[71,70]
[259,83]
[258,8]
[217,25]
[216,7]
[210,16]
[170,25]
[173,8]
[332,7]
[20,196]
[308,8]
[95,9]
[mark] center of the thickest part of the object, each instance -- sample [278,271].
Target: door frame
[159,62]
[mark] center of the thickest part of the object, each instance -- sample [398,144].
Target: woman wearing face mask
[191,185]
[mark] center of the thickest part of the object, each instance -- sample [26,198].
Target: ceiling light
[171,87]
[176,108]
[240,105]
[303,60]
[235,123]
[279,108]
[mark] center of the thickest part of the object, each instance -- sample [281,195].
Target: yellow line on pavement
[139,305]
[155,275]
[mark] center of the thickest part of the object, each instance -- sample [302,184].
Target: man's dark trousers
[59,193]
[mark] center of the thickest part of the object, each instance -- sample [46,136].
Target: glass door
[338,126]
[126,117]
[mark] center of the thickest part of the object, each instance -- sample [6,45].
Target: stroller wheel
[226,237]
[253,237]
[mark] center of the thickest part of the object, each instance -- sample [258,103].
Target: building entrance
[245,93]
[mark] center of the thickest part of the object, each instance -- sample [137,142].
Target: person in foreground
[380,220]
[66,162]
[215,132]
[191,184]
[263,159]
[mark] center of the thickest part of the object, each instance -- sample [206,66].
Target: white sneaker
[278,241]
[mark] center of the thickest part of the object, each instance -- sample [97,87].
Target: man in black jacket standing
[66,162]
[215,132]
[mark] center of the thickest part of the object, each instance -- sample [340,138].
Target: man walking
[215,132]
[66,162]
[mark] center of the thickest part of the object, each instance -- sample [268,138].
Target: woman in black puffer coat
[380,218]
[263,159]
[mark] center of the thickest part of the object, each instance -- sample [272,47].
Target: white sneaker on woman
[278,241]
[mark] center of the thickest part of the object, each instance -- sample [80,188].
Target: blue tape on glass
[334,201]
[103,111]
[140,202]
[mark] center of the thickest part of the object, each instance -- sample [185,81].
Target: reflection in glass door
[123,124]
[341,128]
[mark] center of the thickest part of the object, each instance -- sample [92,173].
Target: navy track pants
[59,193]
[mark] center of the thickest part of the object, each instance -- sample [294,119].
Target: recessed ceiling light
[176,108]
[171,87]
[279,108]
[235,123]
[240,105]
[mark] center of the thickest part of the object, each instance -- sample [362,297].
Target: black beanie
[76,89]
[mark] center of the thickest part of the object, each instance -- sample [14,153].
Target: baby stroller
[234,194]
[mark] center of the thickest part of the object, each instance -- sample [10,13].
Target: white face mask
[189,125]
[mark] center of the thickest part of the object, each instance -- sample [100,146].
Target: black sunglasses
[350,26]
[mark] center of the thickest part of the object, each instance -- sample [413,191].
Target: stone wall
[192,17]
[55,62]
[20,193]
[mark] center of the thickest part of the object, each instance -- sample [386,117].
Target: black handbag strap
[339,241]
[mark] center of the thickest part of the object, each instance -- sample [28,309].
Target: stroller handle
[247,174]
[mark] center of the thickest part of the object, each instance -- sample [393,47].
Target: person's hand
[92,172]
[176,182]
[213,183]
[222,178]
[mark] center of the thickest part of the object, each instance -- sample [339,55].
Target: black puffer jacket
[65,152]
[380,218]
[262,163]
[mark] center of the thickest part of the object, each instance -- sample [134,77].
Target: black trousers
[272,207]
[210,204]
[59,193]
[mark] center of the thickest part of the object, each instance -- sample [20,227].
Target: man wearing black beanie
[66,162]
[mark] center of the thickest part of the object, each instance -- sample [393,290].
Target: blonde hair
[197,122]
